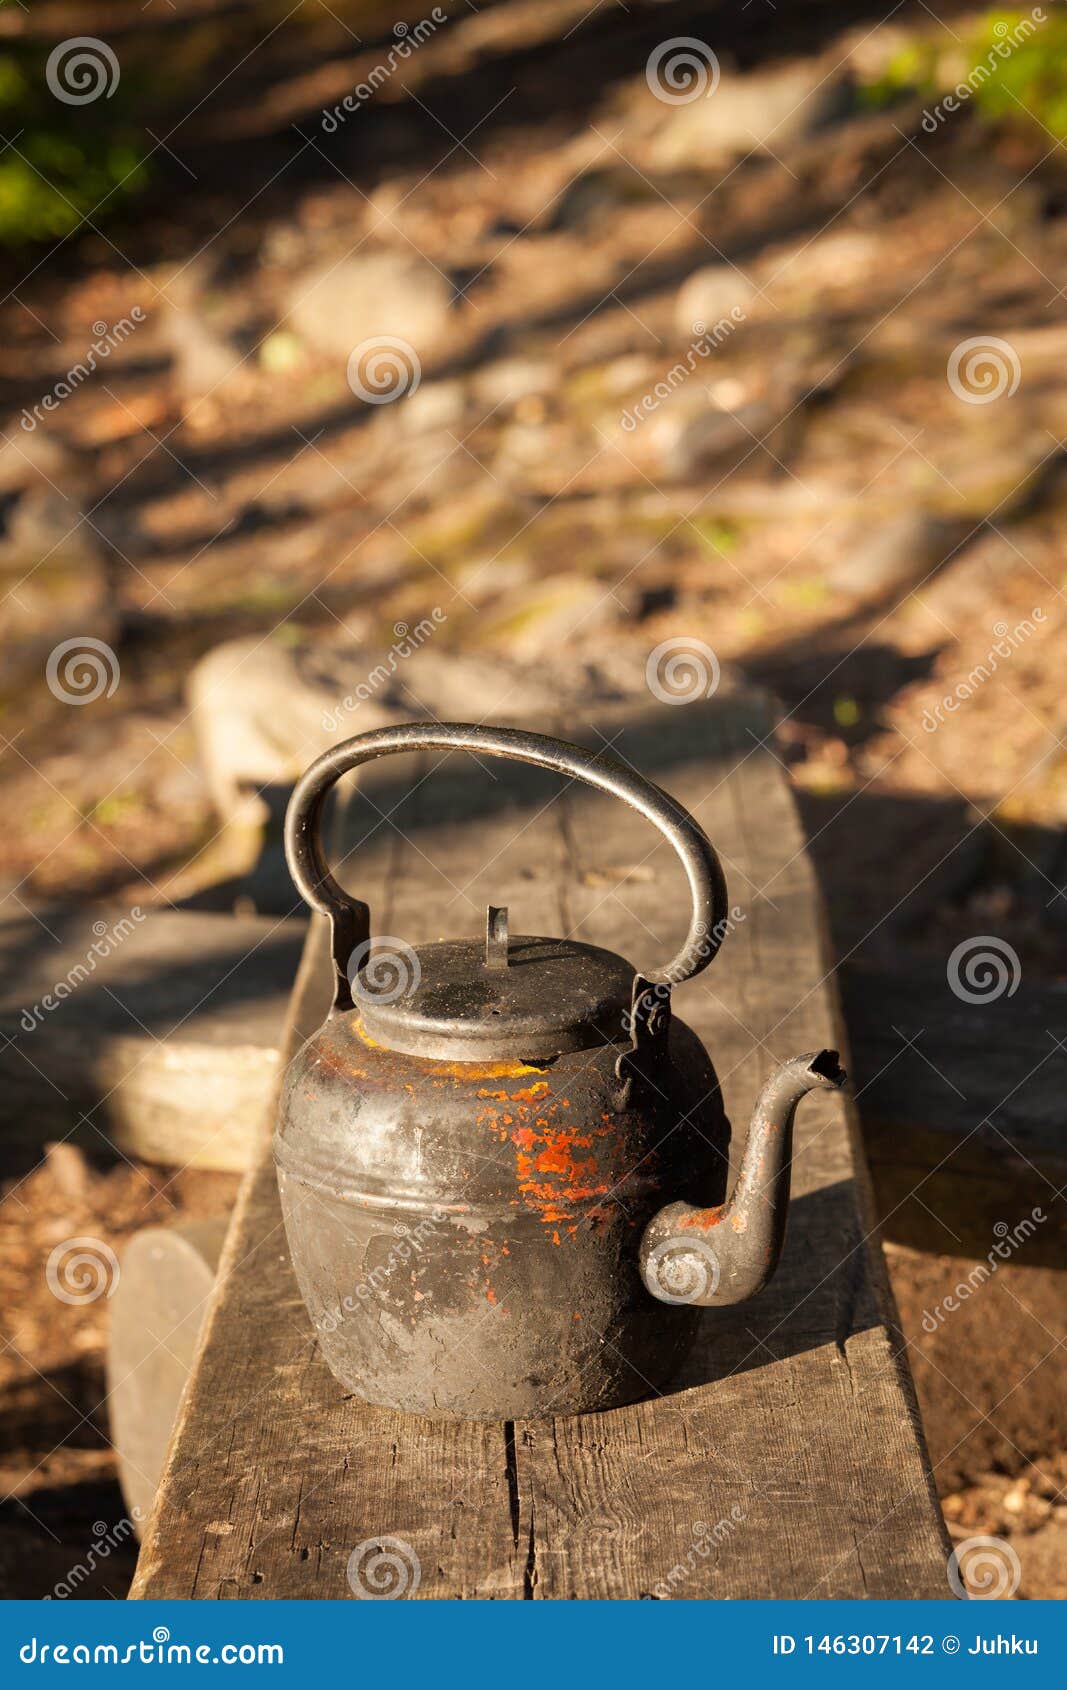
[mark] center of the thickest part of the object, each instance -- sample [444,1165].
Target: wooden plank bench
[790,1465]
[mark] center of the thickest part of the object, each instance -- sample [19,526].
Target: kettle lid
[504,999]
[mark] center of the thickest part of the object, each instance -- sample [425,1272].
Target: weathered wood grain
[791,1465]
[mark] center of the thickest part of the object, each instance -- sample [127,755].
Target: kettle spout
[711,1257]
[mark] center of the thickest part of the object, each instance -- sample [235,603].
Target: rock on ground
[764,112]
[719,293]
[372,296]
[157,1032]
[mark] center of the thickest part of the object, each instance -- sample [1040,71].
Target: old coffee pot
[502,1157]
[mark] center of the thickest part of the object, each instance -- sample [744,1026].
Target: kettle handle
[351,919]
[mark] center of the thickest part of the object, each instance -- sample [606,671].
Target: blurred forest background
[855,495]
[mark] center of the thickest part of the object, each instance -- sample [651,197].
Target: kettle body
[466,1234]
[503,1163]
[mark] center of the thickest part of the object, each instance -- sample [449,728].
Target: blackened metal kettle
[499,1158]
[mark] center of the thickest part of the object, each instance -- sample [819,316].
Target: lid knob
[496,937]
